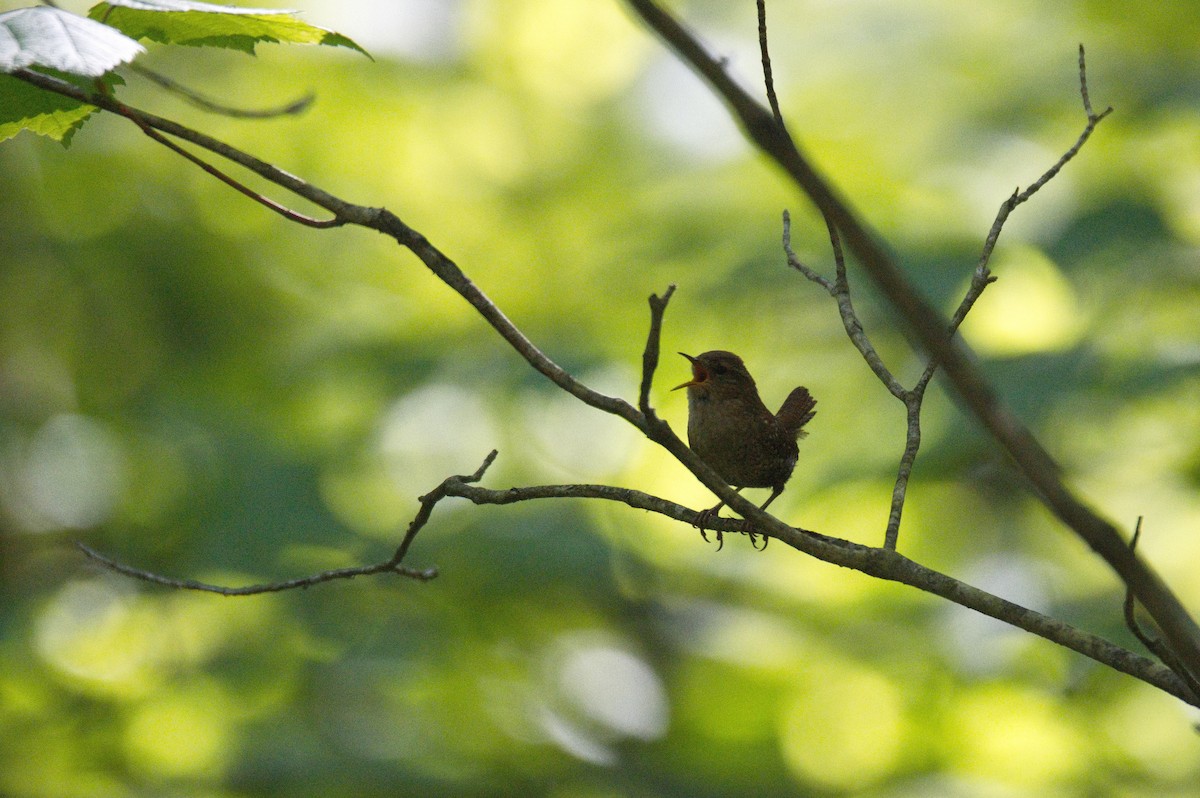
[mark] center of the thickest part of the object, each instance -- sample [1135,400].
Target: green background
[195,386]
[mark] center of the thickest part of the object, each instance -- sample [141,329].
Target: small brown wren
[731,429]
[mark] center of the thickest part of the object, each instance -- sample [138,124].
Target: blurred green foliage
[197,387]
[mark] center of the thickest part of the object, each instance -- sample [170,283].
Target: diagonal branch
[875,562]
[930,329]
[379,219]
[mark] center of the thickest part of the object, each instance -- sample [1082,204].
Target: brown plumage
[731,429]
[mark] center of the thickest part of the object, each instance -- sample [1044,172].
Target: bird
[731,429]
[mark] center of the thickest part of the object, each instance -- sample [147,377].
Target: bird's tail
[797,410]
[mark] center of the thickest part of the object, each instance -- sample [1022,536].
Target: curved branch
[875,562]
[292,108]
[253,590]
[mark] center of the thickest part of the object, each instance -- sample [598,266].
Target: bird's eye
[719,369]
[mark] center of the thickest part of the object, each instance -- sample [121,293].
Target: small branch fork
[839,288]
[882,563]
[982,277]
[393,565]
[1152,642]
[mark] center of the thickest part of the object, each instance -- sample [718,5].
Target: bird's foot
[748,531]
[702,520]
[754,540]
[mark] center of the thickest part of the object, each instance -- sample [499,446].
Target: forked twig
[913,398]
[391,565]
[1153,643]
[237,185]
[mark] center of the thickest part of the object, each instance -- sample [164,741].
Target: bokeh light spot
[1030,308]
[183,733]
[844,727]
[92,632]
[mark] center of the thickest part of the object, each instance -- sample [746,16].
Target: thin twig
[768,77]
[199,100]
[839,289]
[658,306]
[391,565]
[1153,643]
[1018,197]
[252,590]
[1131,620]
[799,265]
[237,185]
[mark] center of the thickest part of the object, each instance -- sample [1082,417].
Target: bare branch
[379,219]
[839,289]
[658,306]
[768,77]
[237,185]
[982,277]
[1018,197]
[1151,642]
[251,590]
[795,262]
[980,280]
[875,562]
[391,565]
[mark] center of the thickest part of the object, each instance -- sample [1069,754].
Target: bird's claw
[704,517]
[748,531]
[701,523]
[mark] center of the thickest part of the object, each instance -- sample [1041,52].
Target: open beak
[699,375]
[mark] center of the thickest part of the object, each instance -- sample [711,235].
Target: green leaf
[26,107]
[50,37]
[208,25]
